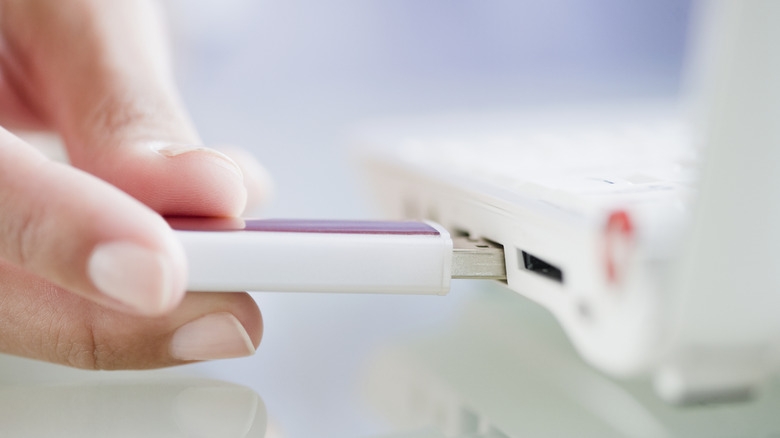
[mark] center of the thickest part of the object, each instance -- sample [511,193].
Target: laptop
[648,229]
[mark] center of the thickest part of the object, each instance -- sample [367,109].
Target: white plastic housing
[342,260]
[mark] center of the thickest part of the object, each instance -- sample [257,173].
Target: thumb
[84,235]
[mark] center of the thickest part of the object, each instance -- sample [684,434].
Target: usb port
[541,267]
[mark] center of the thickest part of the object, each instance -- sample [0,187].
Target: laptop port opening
[541,267]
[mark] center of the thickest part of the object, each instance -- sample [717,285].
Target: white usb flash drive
[329,256]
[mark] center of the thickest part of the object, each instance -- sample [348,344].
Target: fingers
[114,102]
[62,230]
[41,321]
[84,235]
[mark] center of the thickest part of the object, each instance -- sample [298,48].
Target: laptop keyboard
[618,162]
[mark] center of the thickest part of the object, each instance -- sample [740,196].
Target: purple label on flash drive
[301,226]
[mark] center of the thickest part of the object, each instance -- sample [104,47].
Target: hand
[90,274]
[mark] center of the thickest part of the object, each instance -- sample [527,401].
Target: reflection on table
[43,400]
[505,369]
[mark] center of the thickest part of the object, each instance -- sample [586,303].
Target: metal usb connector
[477,259]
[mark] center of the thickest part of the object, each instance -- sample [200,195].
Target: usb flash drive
[331,256]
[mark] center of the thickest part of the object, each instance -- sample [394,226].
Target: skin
[97,73]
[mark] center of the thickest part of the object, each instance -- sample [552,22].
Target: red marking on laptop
[619,238]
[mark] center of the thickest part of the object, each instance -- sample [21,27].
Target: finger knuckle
[68,330]
[75,347]
[85,347]
[118,115]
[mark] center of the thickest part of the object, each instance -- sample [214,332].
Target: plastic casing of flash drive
[315,256]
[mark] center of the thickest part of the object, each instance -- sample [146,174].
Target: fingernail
[214,336]
[133,275]
[176,149]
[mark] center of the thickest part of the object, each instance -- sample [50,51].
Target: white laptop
[651,235]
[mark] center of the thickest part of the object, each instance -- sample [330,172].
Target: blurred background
[287,78]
